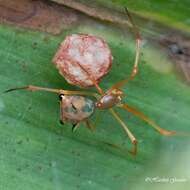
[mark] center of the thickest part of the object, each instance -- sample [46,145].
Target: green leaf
[38,153]
[171,13]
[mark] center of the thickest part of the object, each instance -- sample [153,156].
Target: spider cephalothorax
[110,99]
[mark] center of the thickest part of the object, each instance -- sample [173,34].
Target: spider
[77,106]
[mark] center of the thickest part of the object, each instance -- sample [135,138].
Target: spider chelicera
[77,107]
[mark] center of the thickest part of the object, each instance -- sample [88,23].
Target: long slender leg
[149,121]
[58,91]
[75,127]
[131,136]
[93,126]
[98,118]
[138,41]
[91,78]
[89,125]
[137,56]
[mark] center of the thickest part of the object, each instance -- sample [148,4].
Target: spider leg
[90,125]
[58,91]
[137,56]
[138,41]
[129,133]
[145,118]
[90,76]
[75,127]
[98,118]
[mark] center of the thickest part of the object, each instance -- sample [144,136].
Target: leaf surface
[38,153]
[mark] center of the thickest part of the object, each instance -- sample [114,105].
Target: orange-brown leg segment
[137,56]
[138,41]
[145,118]
[90,76]
[130,135]
[57,91]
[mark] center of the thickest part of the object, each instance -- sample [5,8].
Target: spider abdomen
[76,108]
